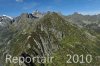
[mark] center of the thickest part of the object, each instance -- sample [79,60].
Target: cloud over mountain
[19,0]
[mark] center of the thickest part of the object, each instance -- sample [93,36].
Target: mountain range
[53,34]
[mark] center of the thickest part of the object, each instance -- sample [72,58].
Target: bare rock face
[37,14]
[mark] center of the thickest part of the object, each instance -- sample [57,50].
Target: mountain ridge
[51,35]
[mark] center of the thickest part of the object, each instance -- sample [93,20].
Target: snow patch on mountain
[8,17]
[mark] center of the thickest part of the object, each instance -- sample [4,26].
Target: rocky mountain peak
[37,13]
[5,20]
[8,17]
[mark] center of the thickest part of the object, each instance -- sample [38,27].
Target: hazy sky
[16,7]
